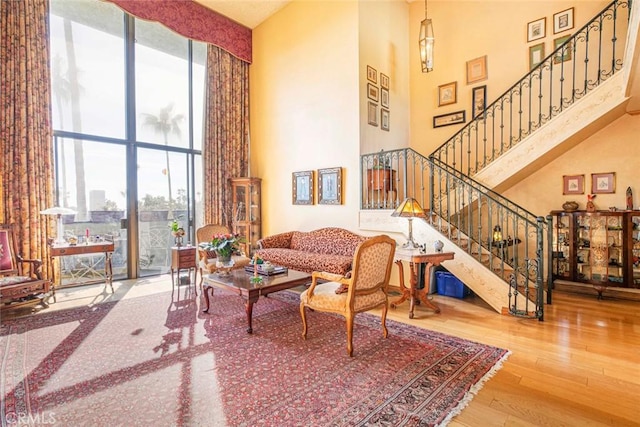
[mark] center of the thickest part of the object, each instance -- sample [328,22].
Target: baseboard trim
[587,289]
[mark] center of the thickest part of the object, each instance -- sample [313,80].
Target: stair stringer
[594,111]
[484,283]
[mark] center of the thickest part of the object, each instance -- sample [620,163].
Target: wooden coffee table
[239,282]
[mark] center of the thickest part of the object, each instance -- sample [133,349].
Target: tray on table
[276,270]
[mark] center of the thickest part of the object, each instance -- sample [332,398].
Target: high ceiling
[249,13]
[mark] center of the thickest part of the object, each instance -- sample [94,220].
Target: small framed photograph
[449,119]
[479,101]
[302,191]
[372,114]
[573,184]
[563,21]
[536,29]
[477,70]
[563,54]
[384,81]
[372,74]
[384,97]
[384,119]
[536,55]
[372,92]
[330,186]
[447,94]
[603,182]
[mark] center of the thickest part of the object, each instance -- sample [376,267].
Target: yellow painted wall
[465,30]
[309,106]
[612,149]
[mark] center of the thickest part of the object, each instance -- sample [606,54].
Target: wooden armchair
[207,259]
[364,290]
[18,286]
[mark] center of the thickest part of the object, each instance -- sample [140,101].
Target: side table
[413,294]
[184,258]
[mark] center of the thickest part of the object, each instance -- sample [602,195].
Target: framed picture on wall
[372,74]
[477,70]
[563,21]
[302,188]
[603,182]
[449,119]
[384,97]
[479,101]
[447,94]
[384,81]
[384,119]
[536,55]
[563,54]
[372,114]
[573,184]
[536,29]
[372,92]
[330,186]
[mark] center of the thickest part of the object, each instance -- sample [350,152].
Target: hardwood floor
[580,367]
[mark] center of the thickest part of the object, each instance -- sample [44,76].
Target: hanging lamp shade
[427,40]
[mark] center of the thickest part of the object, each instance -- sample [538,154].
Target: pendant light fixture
[426,42]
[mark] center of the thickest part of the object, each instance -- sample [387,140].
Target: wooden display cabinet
[247,218]
[601,248]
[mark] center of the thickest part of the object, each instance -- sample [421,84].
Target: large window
[118,162]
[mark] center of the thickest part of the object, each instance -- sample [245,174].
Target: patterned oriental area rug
[159,361]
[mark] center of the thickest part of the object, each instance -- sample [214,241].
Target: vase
[224,264]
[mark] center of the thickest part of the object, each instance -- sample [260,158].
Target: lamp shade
[57,210]
[409,208]
[427,41]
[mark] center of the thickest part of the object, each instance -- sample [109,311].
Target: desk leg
[108,269]
[423,295]
[406,293]
[53,282]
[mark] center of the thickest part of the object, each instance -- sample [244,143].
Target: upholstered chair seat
[365,288]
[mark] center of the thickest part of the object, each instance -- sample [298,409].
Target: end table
[184,258]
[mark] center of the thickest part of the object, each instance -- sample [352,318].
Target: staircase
[502,249]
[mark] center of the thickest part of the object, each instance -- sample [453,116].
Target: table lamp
[410,208]
[58,211]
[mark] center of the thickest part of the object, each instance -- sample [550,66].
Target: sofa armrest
[282,240]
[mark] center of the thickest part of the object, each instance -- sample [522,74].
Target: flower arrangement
[176,230]
[223,244]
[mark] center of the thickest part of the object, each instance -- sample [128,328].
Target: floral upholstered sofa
[328,249]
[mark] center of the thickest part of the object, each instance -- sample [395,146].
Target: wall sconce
[427,40]
[410,208]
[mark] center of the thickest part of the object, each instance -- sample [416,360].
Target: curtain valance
[194,21]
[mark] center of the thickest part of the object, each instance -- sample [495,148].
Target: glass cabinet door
[635,250]
[246,211]
[562,246]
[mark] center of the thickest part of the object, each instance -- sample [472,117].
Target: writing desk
[107,247]
[414,257]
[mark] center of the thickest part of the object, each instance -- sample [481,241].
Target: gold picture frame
[603,183]
[564,53]
[302,188]
[563,21]
[477,70]
[447,94]
[537,29]
[573,184]
[330,186]
[536,55]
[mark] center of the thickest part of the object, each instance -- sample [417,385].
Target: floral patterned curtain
[26,154]
[225,151]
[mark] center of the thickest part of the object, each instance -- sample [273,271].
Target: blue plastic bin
[449,285]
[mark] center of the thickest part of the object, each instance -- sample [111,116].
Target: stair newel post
[539,257]
[431,188]
[549,257]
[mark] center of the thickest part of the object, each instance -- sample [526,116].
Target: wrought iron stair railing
[503,236]
[576,67]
